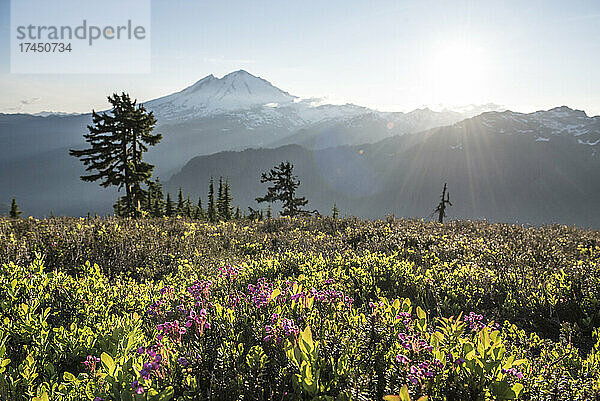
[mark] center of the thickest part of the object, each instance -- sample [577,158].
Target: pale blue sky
[390,55]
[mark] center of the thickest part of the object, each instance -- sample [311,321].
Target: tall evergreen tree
[220,199]
[15,212]
[199,210]
[188,208]
[118,140]
[212,207]
[269,212]
[224,200]
[169,207]
[227,201]
[154,203]
[285,184]
[159,208]
[238,213]
[180,203]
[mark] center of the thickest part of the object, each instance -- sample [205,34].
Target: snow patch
[588,142]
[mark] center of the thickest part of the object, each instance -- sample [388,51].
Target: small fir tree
[188,208]
[199,210]
[212,207]
[335,213]
[224,201]
[169,207]
[180,203]
[285,184]
[15,212]
[253,214]
[154,203]
[220,199]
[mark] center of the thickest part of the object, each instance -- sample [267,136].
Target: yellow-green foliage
[305,309]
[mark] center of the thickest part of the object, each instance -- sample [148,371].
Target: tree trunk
[128,191]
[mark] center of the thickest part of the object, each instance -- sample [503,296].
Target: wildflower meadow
[297,309]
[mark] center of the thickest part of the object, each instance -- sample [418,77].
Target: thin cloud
[32,100]
[24,102]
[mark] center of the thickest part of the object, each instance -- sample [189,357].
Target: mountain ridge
[407,152]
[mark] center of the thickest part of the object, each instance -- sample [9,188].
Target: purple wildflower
[90,363]
[137,387]
[459,361]
[475,321]
[513,372]
[289,327]
[200,290]
[229,272]
[261,292]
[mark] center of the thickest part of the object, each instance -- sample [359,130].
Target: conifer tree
[238,213]
[335,213]
[269,213]
[180,203]
[188,208]
[253,214]
[169,207]
[154,203]
[15,212]
[228,200]
[199,210]
[285,184]
[212,207]
[220,199]
[118,140]
[158,210]
[224,200]
[119,207]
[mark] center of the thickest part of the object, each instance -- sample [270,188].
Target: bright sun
[458,73]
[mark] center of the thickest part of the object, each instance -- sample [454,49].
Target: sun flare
[457,72]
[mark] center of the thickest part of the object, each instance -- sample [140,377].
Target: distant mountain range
[241,110]
[502,165]
[495,173]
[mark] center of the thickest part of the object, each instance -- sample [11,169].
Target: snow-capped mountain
[255,102]
[367,127]
[472,110]
[54,113]
[243,96]
[241,110]
[494,167]
[236,91]
[546,125]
